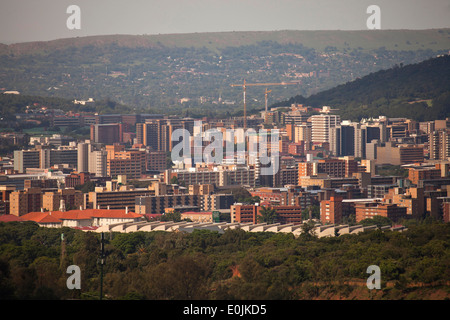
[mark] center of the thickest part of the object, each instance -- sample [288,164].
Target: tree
[174,216]
[86,187]
[174,180]
[311,212]
[379,221]
[267,215]
[308,231]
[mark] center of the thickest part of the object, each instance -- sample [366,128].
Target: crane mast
[245,85]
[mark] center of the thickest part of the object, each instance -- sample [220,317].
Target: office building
[98,163]
[109,133]
[103,198]
[24,159]
[83,151]
[394,154]
[321,126]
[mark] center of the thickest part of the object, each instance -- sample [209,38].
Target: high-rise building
[348,139]
[303,132]
[106,133]
[331,210]
[83,150]
[157,133]
[321,126]
[98,163]
[439,145]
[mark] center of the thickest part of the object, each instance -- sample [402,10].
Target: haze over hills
[179,71]
[434,39]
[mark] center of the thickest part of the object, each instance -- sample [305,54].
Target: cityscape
[335,186]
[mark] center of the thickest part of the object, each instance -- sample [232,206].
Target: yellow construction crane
[245,85]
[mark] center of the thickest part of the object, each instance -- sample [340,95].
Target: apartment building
[25,201]
[303,132]
[131,163]
[415,174]
[368,210]
[63,199]
[331,167]
[197,216]
[331,210]
[5,192]
[245,213]
[212,202]
[412,199]
[156,161]
[439,144]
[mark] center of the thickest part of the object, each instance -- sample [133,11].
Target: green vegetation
[378,221]
[235,265]
[401,91]
[392,170]
[174,216]
[268,215]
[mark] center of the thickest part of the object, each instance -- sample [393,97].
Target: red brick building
[249,213]
[76,179]
[367,210]
[331,210]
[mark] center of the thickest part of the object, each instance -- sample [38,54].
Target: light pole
[102,262]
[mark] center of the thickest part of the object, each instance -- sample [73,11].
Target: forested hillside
[418,91]
[235,265]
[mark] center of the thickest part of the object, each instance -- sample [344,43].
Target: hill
[420,91]
[179,72]
[434,39]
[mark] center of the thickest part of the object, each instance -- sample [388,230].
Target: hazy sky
[30,20]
